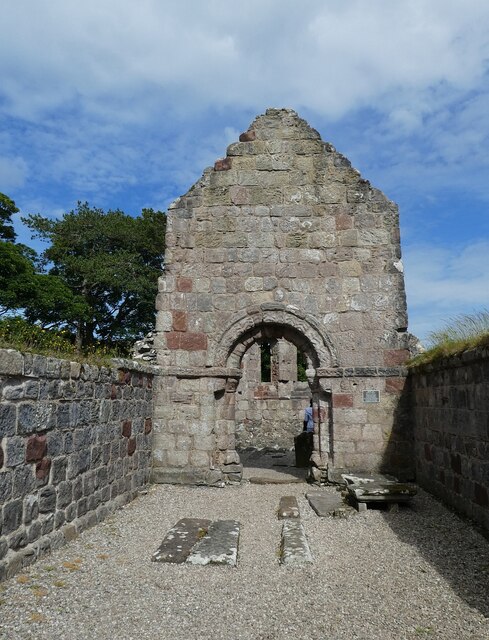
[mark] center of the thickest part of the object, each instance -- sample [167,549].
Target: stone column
[284,358]
[225,455]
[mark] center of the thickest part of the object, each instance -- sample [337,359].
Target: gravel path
[419,573]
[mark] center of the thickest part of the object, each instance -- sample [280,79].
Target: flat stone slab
[288,508]
[178,542]
[360,478]
[265,480]
[327,504]
[382,492]
[294,549]
[218,546]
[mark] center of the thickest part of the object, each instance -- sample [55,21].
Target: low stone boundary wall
[75,444]
[451,413]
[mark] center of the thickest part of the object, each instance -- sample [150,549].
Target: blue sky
[124,103]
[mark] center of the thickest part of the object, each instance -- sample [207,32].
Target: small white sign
[371,395]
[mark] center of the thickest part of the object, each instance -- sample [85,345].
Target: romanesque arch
[252,325]
[279,401]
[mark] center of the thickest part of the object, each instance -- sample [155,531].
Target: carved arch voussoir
[301,326]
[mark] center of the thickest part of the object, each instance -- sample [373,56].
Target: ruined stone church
[283,283]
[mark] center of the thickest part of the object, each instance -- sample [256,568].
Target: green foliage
[18,333]
[301,366]
[16,277]
[7,210]
[21,287]
[110,263]
[266,362]
[461,333]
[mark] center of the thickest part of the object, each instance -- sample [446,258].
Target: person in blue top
[308,420]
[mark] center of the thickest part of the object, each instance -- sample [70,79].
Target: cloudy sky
[123,103]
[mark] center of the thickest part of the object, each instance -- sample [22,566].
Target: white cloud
[13,173]
[442,283]
[330,57]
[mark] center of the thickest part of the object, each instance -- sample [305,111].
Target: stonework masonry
[282,240]
[281,248]
[451,415]
[75,443]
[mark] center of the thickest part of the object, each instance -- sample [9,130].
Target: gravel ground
[418,573]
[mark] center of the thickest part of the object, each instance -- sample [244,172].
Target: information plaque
[371,395]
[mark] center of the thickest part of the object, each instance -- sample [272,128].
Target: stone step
[328,504]
[218,546]
[265,480]
[288,508]
[179,541]
[294,549]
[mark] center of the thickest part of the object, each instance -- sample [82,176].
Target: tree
[110,262]
[38,294]
[16,277]
[16,262]
[22,283]
[7,209]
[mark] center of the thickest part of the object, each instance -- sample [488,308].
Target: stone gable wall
[450,408]
[281,235]
[75,443]
[285,219]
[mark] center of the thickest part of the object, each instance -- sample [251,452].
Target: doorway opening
[270,401]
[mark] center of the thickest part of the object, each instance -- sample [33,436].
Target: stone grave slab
[294,549]
[288,507]
[378,492]
[179,541]
[218,546]
[327,504]
[363,478]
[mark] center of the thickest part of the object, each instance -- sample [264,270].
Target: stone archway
[285,327]
[304,331]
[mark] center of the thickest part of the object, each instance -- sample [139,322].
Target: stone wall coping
[136,365]
[200,372]
[471,356]
[31,365]
[362,372]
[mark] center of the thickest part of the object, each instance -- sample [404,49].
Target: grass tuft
[461,333]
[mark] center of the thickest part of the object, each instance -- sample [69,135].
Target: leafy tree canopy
[7,209]
[110,263]
[21,287]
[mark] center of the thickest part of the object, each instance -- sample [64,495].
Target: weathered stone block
[47,499]
[199,458]
[36,448]
[43,468]
[342,400]
[393,357]
[8,417]
[6,479]
[12,516]
[14,451]
[11,362]
[177,458]
[131,446]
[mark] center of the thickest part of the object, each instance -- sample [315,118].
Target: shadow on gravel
[451,545]
[270,460]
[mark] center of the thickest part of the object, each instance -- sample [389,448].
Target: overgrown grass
[17,333]
[461,333]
